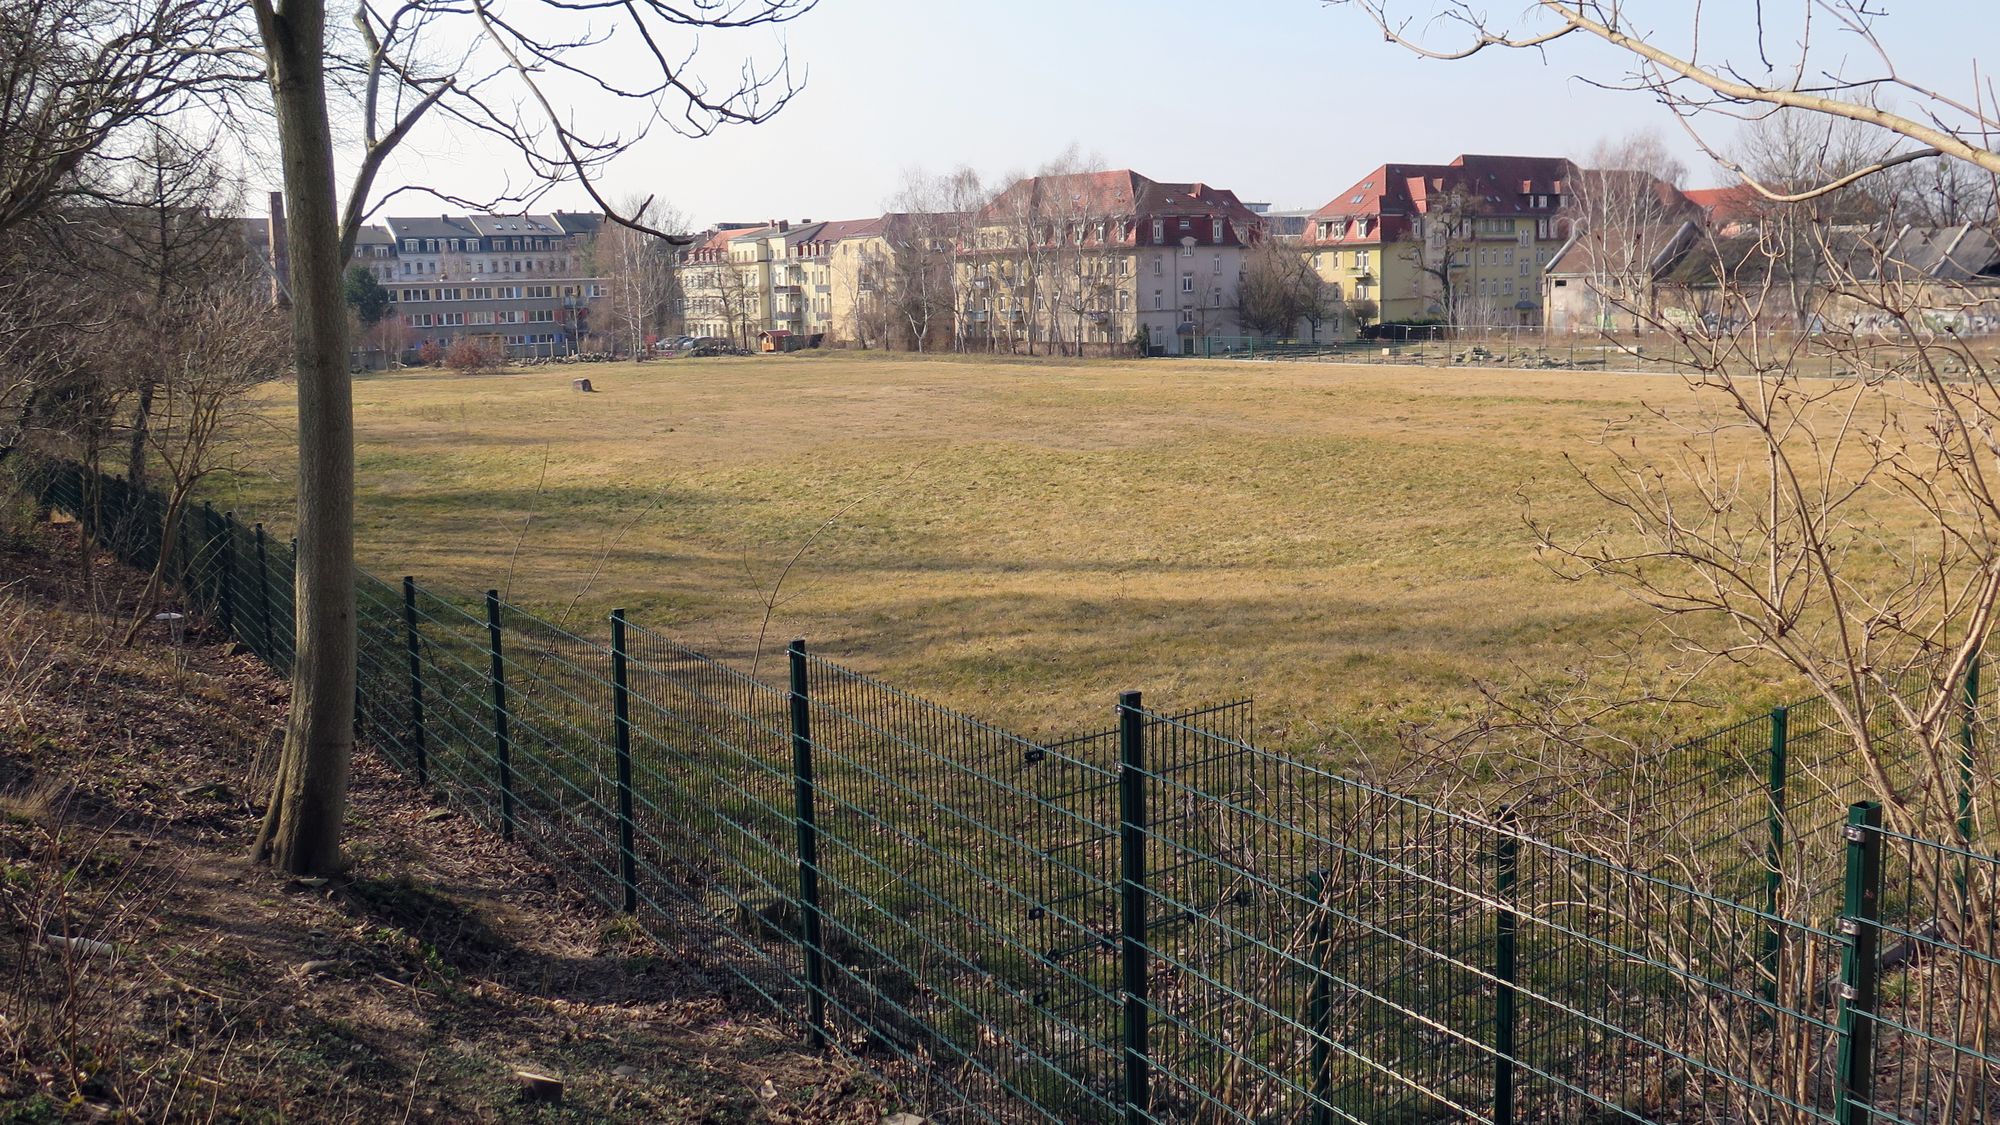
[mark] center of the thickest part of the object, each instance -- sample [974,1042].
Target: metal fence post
[503,741]
[414,642]
[1132,856]
[1774,849]
[808,836]
[204,573]
[1967,746]
[229,571]
[1861,898]
[1319,1008]
[264,598]
[621,721]
[1507,856]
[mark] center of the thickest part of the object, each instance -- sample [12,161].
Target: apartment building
[521,280]
[1463,242]
[805,297]
[722,293]
[1097,261]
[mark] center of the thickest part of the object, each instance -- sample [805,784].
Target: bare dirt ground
[149,973]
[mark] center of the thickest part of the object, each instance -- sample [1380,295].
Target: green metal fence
[1158,920]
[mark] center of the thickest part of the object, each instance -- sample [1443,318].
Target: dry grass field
[1021,540]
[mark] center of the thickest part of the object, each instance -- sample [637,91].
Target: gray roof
[1960,253]
[1948,254]
[440,226]
[512,225]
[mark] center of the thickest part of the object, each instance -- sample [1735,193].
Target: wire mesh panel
[461,731]
[383,684]
[1328,962]
[1937,1016]
[559,770]
[933,845]
[1163,920]
[712,790]
[1355,955]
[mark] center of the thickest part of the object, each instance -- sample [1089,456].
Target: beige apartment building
[1463,243]
[761,287]
[1102,261]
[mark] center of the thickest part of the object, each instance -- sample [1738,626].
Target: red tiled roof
[1498,183]
[849,228]
[1733,203]
[1121,192]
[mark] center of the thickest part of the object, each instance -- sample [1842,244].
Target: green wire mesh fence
[1160,921]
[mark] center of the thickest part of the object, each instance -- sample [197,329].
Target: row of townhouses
[1111,261]
[1103,260]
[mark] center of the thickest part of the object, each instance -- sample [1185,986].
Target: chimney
[281,254]
[784,225]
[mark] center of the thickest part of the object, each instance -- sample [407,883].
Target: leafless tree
[528,78]
[1440,246]
[159,230]
[1938,193]
[77,75]
[1625,212]
[927,225]
[1823,506]
[205,347]
[638,269]
[735,297]
[1789,152]
[1280,288]
[1795,46]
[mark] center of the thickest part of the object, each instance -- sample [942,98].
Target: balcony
[791,290]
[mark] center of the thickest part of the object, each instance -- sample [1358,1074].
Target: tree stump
[539,1089]
[581,385]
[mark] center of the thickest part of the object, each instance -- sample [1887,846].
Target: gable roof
[1118,192]
[1499,185]
[1735,203]
[1660,245]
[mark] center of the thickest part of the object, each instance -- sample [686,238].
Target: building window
[1217,259]
[1187,283]
[1361,259]
[1187,316]
[1159,230]
[1159,298]
[1159,267]
[1215,230]
[1184,224]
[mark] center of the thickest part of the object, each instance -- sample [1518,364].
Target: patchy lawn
[1023,539]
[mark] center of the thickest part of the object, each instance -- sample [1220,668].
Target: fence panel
[1161,921]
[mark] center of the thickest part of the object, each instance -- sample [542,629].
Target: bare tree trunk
[142,415]
[301,832]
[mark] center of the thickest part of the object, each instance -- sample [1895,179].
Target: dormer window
[1215,230]
[1159,230]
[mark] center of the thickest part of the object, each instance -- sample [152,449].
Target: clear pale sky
[1284,101]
